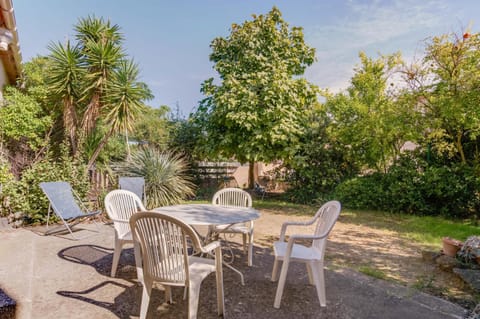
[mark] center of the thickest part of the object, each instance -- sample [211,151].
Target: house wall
[3,80]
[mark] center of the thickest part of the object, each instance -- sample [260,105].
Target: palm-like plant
[103,58]
[165,176]
[96,29]
[122,102]
[96,83]
[66,72]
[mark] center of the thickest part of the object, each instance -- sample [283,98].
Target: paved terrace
[53,277]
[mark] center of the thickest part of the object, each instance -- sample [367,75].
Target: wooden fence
[100,181]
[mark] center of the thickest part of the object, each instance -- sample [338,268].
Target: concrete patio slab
[53,277]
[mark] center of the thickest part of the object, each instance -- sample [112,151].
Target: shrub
[5,173]
[364,192]
[412,187]
[451,191]
[24,197]
[318,167]
[166,181]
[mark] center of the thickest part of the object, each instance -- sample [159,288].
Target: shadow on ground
[349,294]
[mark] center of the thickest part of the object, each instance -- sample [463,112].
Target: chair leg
[168,294]
[250,249]
[147,290]
[244,237]
[310,275]
[275,269]
[219,279]
[193,296]
[318,277]
[116,255]
[281,283]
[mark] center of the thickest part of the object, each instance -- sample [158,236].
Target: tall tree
[256,112]
[96,83]
[447,89]
[153,126]
[368,118]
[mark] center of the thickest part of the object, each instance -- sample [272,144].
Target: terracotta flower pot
[451,246]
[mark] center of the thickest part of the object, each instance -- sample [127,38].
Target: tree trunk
[91,114]
[251,177]
[70,124]
[100,146]
[128,144]
[458,142]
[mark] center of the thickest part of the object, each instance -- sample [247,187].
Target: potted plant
[451,246]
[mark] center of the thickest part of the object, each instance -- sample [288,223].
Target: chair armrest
[305,237]
[286,224]
[123,221]
[210,247]
[294,237]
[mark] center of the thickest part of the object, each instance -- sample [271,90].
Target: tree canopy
[96,84]
[256,111]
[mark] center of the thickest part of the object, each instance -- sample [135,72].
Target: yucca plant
[166,181]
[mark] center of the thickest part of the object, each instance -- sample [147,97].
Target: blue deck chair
[135,185]
[65,204]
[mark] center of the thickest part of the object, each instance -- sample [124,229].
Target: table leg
[212,236]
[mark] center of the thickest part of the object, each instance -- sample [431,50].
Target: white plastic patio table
[207,215]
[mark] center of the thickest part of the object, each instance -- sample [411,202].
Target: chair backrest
[134,184]
[234,197]
[162,242]
[62,200]
[121,205]
[326,217]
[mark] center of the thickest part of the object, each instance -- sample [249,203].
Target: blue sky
[170,39]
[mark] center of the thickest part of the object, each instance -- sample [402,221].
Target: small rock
[470,276]
[4,224]
[18,215]
[447,263]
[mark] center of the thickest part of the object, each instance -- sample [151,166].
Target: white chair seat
[200,267]
[127,237]
[299,252]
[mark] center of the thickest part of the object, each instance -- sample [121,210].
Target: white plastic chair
[161,255]
[134,184]
[120,206]
[235,197]
[66,204]
[312,256]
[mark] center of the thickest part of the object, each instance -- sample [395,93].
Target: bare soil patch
[378,252]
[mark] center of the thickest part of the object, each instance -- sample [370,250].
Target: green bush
[412,187]
[403,183]
[5,174]
[166,182]
[25,196]
[451,191]
[318,167]
[366,192]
